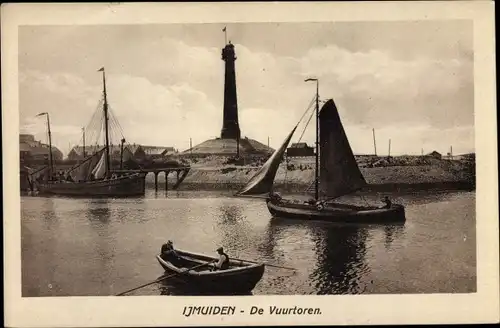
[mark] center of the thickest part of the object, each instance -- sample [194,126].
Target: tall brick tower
[230,126]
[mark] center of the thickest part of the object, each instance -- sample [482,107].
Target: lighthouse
[230,142]
[230,126]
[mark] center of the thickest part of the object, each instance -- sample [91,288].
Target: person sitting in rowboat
[310,201]
[275,196]
[223,263]
[168,253]
[387,202]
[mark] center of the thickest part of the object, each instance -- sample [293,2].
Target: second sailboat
[93,177]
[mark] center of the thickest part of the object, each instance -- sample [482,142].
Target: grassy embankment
[397,173]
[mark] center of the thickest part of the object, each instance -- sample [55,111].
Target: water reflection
[232,227]
[99,215]
[340,251]
[230,214]
[341,262]
[392,232]
[269,246]
[176,286]
[49,214]
[98,210]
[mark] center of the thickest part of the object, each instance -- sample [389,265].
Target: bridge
[180,171]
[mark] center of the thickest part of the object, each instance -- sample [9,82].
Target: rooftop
[228,147]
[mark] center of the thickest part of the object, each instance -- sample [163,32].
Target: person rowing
[387,202]
[223,263]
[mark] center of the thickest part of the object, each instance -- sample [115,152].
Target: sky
[410,81]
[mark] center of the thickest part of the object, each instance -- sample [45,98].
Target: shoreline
[298,187]
[443,175]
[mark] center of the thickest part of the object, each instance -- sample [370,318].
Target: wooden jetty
[181,173]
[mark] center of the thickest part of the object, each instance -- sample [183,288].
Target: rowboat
[240,278]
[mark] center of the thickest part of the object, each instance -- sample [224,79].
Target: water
[83,247]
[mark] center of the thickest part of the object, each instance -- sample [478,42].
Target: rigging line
[117,131]
[94,116]
[286,172]
[308,108]
[116,127]
[305,127]
[117,122]
[306,111]
[92,134]
[99,131]
[98,127]
[98,110]
[111,125]
[111,115]
[92,127]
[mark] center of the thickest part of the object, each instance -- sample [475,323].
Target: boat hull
[240,278]
[337,212]
[125,186]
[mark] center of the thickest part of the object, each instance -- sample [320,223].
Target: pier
[181,173]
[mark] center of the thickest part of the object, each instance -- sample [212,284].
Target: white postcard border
[167,311]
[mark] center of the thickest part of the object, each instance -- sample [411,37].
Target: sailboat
[93,176]
[336,174]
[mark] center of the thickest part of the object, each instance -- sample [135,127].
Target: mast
[316,172]
[106,122]
[121,153]
[237,146]
[51,163]
[83,130]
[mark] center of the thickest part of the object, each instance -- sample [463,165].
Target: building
[435,155]
[153,152]
[135,152]
[470,157]
[34,150]
[300,149]
[230,143]
[24,152]
[77,152]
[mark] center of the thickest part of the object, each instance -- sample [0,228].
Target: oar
[271,265]
[163,278]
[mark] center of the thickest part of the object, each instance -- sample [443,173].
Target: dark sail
[339,171]
[262,181]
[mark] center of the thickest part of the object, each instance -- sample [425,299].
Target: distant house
[466,157]
[435,155]
[153,152]
[300,149]
[77,152]
[24,152]
[31,149]
[134,152]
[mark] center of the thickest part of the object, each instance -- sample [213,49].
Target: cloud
[164,91]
